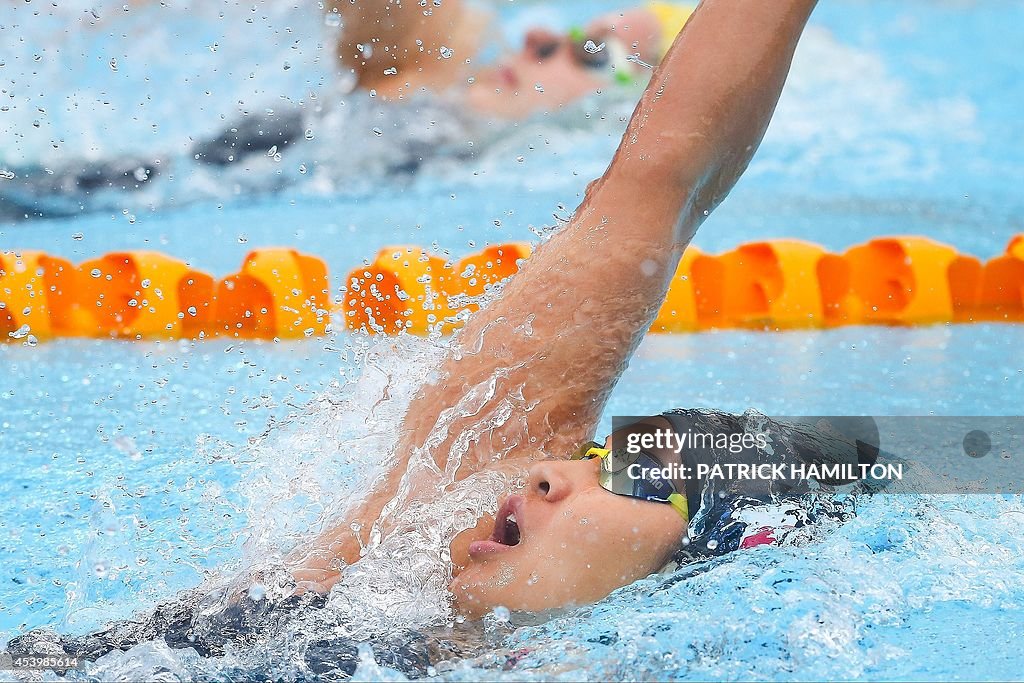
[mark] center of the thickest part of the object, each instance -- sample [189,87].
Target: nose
[541,43]
[555,480]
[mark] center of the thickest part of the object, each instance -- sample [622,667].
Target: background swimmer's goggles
[615,478]
[601,54]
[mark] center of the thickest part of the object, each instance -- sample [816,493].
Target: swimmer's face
[571,543]
[552,69]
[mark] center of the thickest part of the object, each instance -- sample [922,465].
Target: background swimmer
[399,51]
[424,106]
[396,49]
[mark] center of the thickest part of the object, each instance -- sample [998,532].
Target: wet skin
[568,542]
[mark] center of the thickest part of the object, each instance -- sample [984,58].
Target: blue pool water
[135,471]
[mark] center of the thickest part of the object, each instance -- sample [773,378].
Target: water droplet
[192,311]
[377,131]
[309,133]
[126,445]
[332,19]
[712,544]
[446,52]
[6,175]
[95,272]
[390,71]
[538,87]
[78,237]
[146,282]
[113,64]
[302,168]
[19,333]
[272,151]
[242,239]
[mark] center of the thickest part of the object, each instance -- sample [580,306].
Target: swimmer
[565,326]
[557,339]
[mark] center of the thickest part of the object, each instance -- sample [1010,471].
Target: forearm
[708,105]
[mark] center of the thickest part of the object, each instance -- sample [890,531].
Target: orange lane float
[784,284]
[139,295]
[402,289]
[280,293]
[34,295]
[679,311]
[407,288]
[910,280]
[1001,294]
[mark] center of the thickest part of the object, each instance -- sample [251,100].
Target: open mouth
[506,524]
[507,533]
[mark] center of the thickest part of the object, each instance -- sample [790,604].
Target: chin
[464,601]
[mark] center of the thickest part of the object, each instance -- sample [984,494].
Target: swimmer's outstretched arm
[565,327]
[567,324]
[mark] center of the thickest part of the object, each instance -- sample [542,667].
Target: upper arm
[549,349]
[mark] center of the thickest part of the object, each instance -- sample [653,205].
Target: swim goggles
[616,478]
[601,54]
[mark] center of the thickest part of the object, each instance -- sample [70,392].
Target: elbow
[677,161]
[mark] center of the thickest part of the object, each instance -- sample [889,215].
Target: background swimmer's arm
[566,325]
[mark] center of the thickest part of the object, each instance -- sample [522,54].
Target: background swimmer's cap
[671,18]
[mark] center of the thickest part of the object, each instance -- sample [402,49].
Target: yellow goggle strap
[591,449]
[678,502]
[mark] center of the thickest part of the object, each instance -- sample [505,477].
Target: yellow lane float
[280,293]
